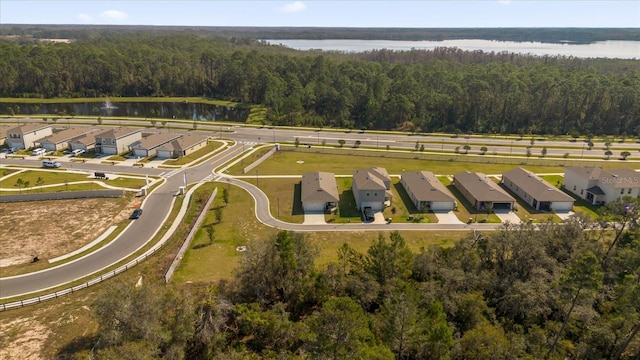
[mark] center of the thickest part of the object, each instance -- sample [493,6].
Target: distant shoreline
[544,35]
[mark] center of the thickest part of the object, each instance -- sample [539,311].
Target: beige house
[599,186]
[372,188]
[482,192]
[149,145]
[536,192]
[61,140]
[182,146]
[427,192]
[26,136]
[319,192]
[117,140]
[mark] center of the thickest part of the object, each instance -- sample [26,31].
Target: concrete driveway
[509,216]
[447,218]
[565,215]
[314,219]
[378,218]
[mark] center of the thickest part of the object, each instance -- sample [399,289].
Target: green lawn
[298,161]
[209,148]
[49,177]
[206,263]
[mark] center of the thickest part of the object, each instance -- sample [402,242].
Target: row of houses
[108,142]
[372,189]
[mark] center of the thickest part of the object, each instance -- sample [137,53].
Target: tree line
[555,291]
[420,90]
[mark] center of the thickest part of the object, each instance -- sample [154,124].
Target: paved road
[156,209]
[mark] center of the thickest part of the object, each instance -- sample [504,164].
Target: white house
[427,192]
[536,192]
[62,139]
[600,186]
[26,136]
[319,192]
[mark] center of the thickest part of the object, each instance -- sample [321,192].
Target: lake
[601,49]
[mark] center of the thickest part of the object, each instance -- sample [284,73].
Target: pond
[168,110]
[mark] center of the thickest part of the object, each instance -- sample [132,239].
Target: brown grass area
[48,229]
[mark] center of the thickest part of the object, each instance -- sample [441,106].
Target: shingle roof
[26,128]
[535,186]
[68,134]
[481,187]
[371,178]
[185,142]
[155,140]
[117,133]
[319,187]
[619,178]
[426,187]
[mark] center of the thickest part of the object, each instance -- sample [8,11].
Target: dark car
[135,214]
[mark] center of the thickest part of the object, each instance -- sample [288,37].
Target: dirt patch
[48,229]
[28,345]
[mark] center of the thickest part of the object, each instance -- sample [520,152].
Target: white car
[77,152]
[38,152]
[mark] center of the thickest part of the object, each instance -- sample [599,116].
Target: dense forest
[553,291]
[441,90]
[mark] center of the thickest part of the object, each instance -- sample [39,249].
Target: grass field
[63,178]
[49,177]
[295,162]
[209,148]
[206,262]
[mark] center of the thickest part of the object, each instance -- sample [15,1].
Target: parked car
[50,164]
[368,214]
[38,152]
[77,152]
[135,214]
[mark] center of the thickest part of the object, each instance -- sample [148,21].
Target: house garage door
[441,206]
[313,206]
[502,206]
[140,152]
[374,205]
[561,206]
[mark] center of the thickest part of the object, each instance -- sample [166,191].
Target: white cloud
[113,15]
[294,7]
[84,18]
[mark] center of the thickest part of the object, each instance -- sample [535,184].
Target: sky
[320,13]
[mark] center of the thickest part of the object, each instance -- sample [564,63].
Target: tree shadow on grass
[404,196]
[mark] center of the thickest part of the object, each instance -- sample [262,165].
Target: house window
[113,141]
[375,194]
[629,191]
[621,191]
[581,192]
[367,194]
[574,188]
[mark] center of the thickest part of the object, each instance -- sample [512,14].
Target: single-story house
[372,188]
[536,192]
[26,136]
[427,192]
[600,186]
[61,139]
[482,192]
[148,146]
[182,146]
[319,192]
[117,140]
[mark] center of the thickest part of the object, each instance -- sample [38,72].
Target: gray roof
[619,178]
[481,187]
[319,187]
[155,140]
[371,178]
[185,142]
[595,190]
[426,187]
[68,135]
[535,186]
[27,128]
[117,133]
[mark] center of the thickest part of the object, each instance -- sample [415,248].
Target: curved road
[157,207]
[158,204]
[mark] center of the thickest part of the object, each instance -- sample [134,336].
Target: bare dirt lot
[52,228]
